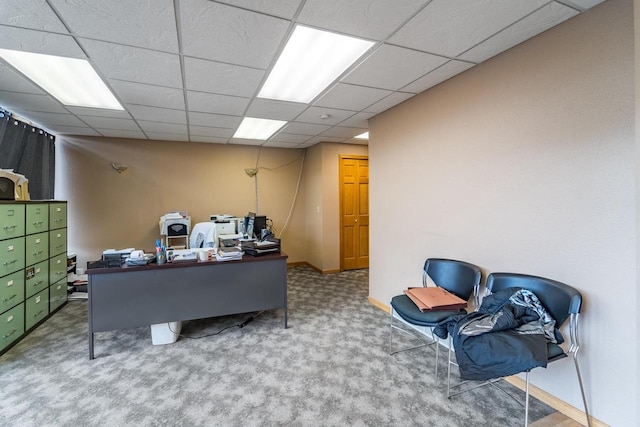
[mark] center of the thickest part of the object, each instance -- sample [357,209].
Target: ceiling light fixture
[311,61]
[71,81]
[364,135]
[252,128]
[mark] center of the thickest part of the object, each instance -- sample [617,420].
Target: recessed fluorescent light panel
[71,81]
[311,61]
[362,136]
[252,128]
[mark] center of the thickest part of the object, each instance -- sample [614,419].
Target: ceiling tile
[174,128]
[276,144]
[142,94]
[72,130]
[305,128]
[99,112]
[135,64]
[226,79]
[214,120]
[388,102]
[123,21]
[241,37]
[155,114]
[351,97]
[16,82]
[359,120]
[39,42]
[246,141]
[110,123]
[55,119]
[22,102]
[450,27]
[437,76]
[113,133]
[586,4]
[317,139]
[391,67]
[289,138]
[209,139]
[211,131]
[373,19]
[214,103]
[34,14]
[343,132]
[315,114]
[282,8]
[539,21]
[276,110]
[164,136]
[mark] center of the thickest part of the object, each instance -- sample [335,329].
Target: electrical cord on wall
[237,325]
[295,196]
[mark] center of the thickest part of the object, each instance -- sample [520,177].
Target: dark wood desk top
[154,266]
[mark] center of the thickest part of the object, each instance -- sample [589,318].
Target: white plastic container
[165,333]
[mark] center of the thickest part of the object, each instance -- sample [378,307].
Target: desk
[134,296]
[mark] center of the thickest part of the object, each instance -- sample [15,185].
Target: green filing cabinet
[33,248]
[36,309]
[11,221]
[37,218]
[11,255]
[11,325]
[12,262]
[11,290]
[36,278]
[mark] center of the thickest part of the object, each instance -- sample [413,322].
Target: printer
[175,224]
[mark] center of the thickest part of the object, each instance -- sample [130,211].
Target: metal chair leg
[584,398]
[526,402]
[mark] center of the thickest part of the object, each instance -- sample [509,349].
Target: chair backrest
[458,277]
[559,299]
[203,235]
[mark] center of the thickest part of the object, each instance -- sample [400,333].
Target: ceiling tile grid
[190,70]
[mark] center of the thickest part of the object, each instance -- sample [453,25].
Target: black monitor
[254,224]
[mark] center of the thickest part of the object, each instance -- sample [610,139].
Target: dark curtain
[31,152]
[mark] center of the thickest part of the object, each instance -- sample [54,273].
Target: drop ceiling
[189,70]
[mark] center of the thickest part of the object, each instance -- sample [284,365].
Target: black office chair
[561,301]
[457,277]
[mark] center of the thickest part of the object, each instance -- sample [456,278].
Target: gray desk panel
[132,298]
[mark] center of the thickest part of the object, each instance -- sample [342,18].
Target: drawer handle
[10,262]
[38,313]
[59,273]
[9,334]
[10,298]
[37,253]
[37,223]
[10,227]
[59,246]
[38,283]
[57,220]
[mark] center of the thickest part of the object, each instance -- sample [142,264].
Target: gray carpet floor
[330,367]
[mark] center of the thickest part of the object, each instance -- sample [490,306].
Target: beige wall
[111,210]
[323,202]
[527,163]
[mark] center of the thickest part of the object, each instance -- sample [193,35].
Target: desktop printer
[175,224]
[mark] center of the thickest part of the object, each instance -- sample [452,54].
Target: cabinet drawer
[37,248]
[37,218]
[57,241]
[57,295]
[37,278]
[11,255]
[58,268]
[11,221]
[11,325]
[11,290]
[36,308]
[57,215]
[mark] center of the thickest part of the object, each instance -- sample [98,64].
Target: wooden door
[354,212]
